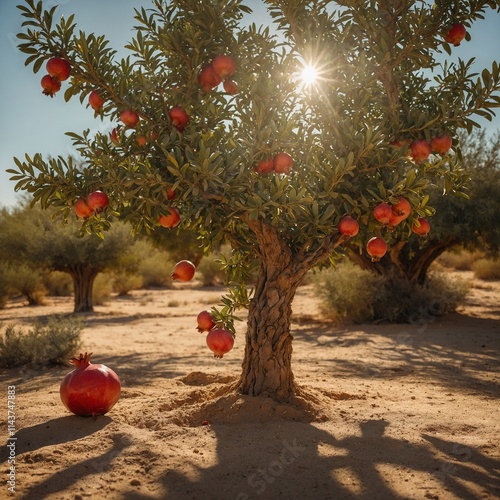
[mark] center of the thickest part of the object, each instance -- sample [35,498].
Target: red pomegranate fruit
[348,227]
[129,118]
[220,341]
[115,139]
[208,78]
[58,68]
[96,101]
[423,227]
[456,34]
[402,208]
[376,248]
[382,213]
[441,144]
[282,163]
[205,321]
[82,209]
[264,166]
[50,85]
[90,389]
[224,66]
[179,117]
[97,201]
[420,150]
[171,219]
[183,271]
[230,87]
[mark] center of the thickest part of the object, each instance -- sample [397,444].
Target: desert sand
[406,411]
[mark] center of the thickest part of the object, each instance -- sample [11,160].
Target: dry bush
[58,284]
[156,269]
[486,269]
[210,270]
[101,291]
[40,346]
[348,293]
[124,282]
[460,260]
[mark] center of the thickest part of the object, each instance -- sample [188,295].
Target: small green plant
[124,282]
[26,280]
[486,269]
[52,344]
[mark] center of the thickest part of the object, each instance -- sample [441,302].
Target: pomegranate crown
[82,361]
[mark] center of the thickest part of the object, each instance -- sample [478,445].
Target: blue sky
[34,123]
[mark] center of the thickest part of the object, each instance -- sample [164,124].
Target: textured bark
[83,282]
[267,368]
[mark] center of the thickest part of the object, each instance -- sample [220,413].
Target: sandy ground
[406,411]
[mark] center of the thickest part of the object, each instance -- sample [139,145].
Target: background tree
[471,221]
[372,60]
[30,237]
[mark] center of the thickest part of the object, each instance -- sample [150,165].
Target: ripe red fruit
[382,213]
[394,220]
[208,78]
[129,118]
[348,227]
[423,228]
[170,220]
[376,248]
[224,66]
[205,321]
[402,208]
[97,201]
[96,101]
[170,193]
[183,271]
[441,144]
[141,140]
[282,163]
[90,389]
[230,87]
[50,85]
[179,117]
[82,209]
[220,341]
[114,137]
[58,68]
[265,166]
[456,34]
[420,150]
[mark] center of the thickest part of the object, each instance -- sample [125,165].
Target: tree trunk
[267,365]
[83,282]
[267,369]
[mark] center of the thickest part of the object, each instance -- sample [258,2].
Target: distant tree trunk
[408,262]
[83,282]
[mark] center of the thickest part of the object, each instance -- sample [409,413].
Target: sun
[309,75]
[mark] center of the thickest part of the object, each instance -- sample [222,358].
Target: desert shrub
[402,301]
[486,269]
[124,282]
[58,284]
[461,260]
[26,280]
[42,345]
[348,293]
[103,286]
[156,269]
[210,270]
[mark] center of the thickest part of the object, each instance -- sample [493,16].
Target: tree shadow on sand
[291,460]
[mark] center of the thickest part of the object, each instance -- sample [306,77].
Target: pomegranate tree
[332,142]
